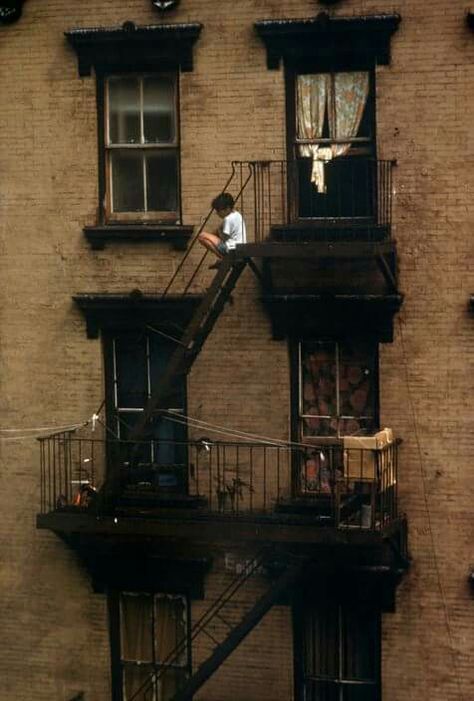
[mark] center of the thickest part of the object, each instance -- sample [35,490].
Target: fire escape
[323,265]
[246,491]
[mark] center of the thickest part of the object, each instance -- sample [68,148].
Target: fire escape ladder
[213,615]
[237,634]
[194,336]
[289,571]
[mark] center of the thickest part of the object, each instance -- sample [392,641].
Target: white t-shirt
[233,230]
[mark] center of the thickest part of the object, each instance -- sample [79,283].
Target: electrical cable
[428,513]
[41,429]
[225,430]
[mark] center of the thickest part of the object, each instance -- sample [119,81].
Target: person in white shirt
[231,232]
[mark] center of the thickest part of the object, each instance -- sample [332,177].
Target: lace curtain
[344,95]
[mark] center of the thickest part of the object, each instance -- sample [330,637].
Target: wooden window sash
[142,146]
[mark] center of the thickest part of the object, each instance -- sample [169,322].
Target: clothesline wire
[225,430]
[41,429]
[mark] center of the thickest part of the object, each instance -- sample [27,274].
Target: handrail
[207,617]
[195,238]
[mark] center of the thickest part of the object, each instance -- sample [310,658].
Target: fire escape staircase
[289,570]
[194,337]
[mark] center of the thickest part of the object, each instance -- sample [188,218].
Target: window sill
[176,234]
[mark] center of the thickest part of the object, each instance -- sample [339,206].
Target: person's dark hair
[223,201]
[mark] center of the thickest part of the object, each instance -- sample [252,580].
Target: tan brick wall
[53,633]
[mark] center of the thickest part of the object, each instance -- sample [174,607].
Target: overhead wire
[225,430]
[428,513]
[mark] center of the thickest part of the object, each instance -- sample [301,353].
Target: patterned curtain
[345,95]
[346,98]
[312,91]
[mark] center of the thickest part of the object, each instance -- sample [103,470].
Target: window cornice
[133,47]
[363,36]
[136,309]
[10,11]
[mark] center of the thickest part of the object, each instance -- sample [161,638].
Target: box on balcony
[361,455]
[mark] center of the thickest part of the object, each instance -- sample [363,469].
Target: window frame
[151,452]
[107,215]
[115,637]
[332,67]
[302,613]
[296,383]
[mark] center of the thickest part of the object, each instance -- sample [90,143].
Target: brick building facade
[278,509]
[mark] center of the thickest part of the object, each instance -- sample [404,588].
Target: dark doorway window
[136,361]
[334,145]
[339,653]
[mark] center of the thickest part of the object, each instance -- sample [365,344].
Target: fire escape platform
[190,525]
[327,287]
[314,249]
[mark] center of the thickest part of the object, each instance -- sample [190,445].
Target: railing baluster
[211,457]
[265,479]
[243,477]
[251,479]
[197,468]
[278,474]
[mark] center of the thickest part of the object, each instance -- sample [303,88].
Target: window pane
[162,181]
[160,352]
[138,683]
[357,387]
[321,691]
[127,181]
[170,629]
[360,640]
[360,692]
[320,642]
[124,110]
[169,683]
[319,389]
[158,109]
[131,370]
[136,627]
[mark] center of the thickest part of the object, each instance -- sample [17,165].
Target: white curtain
[344,95]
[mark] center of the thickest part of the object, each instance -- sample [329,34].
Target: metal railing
[278,200]
[352,201]
[335,486]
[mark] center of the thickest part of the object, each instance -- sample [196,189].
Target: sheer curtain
[137,643]
[344,95]
[170,630]
[151,628]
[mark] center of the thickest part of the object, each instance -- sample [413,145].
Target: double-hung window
[136,361]
[337,388]
[141,147]
[340,653]
[154,650]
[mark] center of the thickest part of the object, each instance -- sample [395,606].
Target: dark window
[340,653]
[152,653]
[141,147]
[334,144]
[136,361]
[337,388]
